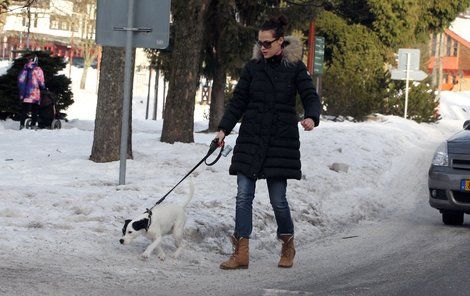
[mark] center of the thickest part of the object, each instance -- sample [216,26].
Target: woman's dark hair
[276,24]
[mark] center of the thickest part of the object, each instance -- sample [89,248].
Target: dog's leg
[152,247]
[178,235]
[160,254]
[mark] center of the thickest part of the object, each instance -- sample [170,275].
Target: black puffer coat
[268,142]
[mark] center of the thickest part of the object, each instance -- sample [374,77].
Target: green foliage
[226,40]
[361,36]
[352,84]
[422,103]
[400,23]
[59,85]
[438,15]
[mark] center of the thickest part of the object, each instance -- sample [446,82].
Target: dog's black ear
[141,224]
[125,226]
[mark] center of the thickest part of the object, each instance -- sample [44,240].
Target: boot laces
[235,251]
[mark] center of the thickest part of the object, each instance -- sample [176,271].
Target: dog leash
[214,145]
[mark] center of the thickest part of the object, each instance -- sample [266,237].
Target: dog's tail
[191,192]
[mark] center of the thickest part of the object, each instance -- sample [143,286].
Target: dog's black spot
[141,224]
[125,226]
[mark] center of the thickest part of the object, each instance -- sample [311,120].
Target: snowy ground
[58,208]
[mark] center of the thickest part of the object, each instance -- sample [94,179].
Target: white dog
[163,219]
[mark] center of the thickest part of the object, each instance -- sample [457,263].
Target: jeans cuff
[284,234]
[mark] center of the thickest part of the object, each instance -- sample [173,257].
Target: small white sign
[414,75]
[414,58]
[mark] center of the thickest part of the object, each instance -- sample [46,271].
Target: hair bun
[281,20]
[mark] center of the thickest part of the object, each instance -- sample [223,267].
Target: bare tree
[3,9]
[87,43]
[82,19]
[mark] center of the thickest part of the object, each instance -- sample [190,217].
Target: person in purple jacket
[30,83]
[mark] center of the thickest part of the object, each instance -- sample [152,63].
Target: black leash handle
[214,145]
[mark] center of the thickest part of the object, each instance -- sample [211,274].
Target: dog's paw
[176,254]
[161,256]
[144,256]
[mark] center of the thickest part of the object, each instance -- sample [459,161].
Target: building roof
[458,38]
[461,27]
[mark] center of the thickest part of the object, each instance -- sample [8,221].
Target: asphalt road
[410,253]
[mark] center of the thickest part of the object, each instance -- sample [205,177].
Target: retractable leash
[214,145]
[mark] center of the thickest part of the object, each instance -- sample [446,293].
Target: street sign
[130,23]
[319,55]
[414,75]
[408,69]
[151,23]
[414,58]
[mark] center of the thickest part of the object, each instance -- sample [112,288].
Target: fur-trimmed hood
[291,53]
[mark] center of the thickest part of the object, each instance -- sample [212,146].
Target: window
[74,26]
[54,25]
[448,45]
[64,25]
[455,49]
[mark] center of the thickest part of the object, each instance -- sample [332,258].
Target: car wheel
[27,123]
[452,217]
[56,124]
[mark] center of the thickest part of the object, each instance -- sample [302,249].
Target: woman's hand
[308,124]
[220,135]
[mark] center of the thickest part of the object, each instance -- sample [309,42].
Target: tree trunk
[217,96]
[107,136]
[178,118]
[83,79]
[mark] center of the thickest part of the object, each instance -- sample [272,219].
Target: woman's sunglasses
[266,44]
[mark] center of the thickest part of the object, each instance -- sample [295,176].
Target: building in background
[59,26]
[453,67]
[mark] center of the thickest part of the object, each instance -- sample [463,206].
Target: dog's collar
[148,211]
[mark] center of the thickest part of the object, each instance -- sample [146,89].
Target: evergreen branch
[311,3]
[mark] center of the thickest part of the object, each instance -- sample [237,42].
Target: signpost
[122,23]
[408,69]
[319,55]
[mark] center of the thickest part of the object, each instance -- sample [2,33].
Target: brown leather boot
[288,251]
[239,258]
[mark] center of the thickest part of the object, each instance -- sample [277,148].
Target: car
[449,177]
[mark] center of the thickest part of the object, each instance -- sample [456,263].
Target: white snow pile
[54,200]
[4,66]
[455,105]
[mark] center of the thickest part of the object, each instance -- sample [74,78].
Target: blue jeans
[244,206]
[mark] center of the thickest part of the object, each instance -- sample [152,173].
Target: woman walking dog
[268,143]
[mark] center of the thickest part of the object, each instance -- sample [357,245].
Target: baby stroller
[48,116]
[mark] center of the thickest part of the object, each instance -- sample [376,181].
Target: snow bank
[455,105]
[55,202]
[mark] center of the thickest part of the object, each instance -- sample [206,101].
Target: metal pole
[311,47]
[155,103]
[164,96]
[436,55]
[148,93]
[408,58]
[439,75]
[29,26]
[127,94]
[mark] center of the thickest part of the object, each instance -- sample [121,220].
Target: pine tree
[58,84]
[422,103]
[178,123]
[354,71]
